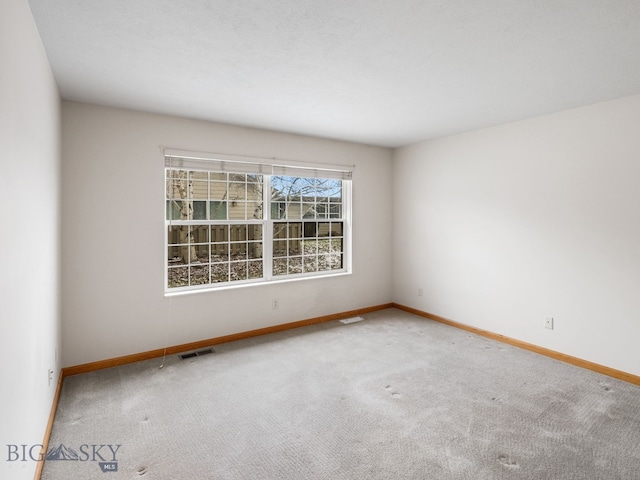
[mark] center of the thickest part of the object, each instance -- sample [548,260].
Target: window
[234,222]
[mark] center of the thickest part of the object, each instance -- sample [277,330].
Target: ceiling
[381,72]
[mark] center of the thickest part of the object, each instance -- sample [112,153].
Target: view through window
[219,233]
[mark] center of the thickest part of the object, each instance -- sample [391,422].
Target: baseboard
[185,347]
[611,372]
[47,432]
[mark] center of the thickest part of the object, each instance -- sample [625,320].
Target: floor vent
[206,351]
[352,320]
[199,353]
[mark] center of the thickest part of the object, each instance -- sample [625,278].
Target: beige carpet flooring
[393,397]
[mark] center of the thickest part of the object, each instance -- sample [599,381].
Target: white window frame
[199,161]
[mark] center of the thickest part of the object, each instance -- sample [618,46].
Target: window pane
[310,247]
[199,191]
[336,262]
[199,210]
[336,229]
[295,265]
[280,248]
[279,230]
[177,234]
[176,184]
[218,176]
[199,274]
[308,210]
[278,210]
[285,187]
[195,176]
[168,186]
[335,211]
[279,266]
[199,254]
[255,270]
[238,233]
[305,197]
[255,250]
[219,252]
[324,263]
[237,177]
[218,191]
[254,210]
[238,191]
[218,210]
[174,256]
[181,210]
[254,232]
[219,272]
[310,229]
[293,210]
[328,187]
[178,276]
[310,264]
[237,210]
[324,228]
[324,245]
[238,270]
[295,247]
[199,233]
[174,207]
[295,230]
[238,251]
[333,190]
[254,187]
[322,210]
[219,233]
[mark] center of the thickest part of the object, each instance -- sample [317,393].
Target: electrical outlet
[420,292]
[50,376]
[548,323]
[275,304]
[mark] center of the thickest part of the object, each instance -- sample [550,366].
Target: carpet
[395,396]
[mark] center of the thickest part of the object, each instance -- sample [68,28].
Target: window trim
[189,160]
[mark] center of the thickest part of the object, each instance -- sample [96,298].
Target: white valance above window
[176,159]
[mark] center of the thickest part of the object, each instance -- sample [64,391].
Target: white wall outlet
[50,376]
[548,323]
[275,304]
[420,292]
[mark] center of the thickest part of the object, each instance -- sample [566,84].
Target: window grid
[306,247]
[217,233]
[208,254]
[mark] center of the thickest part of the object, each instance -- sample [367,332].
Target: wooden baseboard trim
[578,362]
[47,432]
[185,347]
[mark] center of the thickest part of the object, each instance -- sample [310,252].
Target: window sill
[175,292]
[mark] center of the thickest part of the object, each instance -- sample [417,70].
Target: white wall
[29,235]
[113,233]
[505,225]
